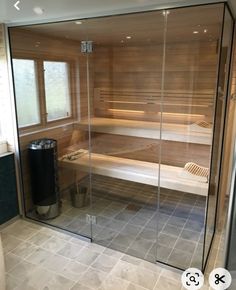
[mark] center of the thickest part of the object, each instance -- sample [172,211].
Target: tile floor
[38,257]
[126,220]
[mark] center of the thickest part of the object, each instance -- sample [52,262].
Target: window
[26,92]
[42,91]
[57,90]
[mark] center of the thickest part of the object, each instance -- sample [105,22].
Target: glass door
[125,74]
[188,121]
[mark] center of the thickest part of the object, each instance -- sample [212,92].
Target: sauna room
[120,122]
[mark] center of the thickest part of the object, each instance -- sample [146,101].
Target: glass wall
[131,101]
[125,70]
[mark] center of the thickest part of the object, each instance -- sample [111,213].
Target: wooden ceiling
[147,27]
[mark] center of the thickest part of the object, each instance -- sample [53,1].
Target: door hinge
[91,219]
[86,46]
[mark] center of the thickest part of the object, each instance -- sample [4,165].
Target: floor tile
[104,263]
[73,270]
[11,261]
[54,244]
[113,283]
[58,282]
[55,262]
[38,256]
[24,250]
[70,250]
[93,278]
[87,256]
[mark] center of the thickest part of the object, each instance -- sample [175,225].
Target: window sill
[48,128]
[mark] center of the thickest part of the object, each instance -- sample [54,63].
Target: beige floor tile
[58,282]
[104,263]
[11,282]
[56,233]
[167,284]
[114,283]
[38,256]
[95,247]
[93,278]
[54,244]
[55,263]
[11,261]
[135,287]
[21,232]
[37,278]
[78,241]
[9,242]
[39,238]
[23,270]
[113,253]
[24,250]
[87,256]
[171,274]
[136,275]
[70,250]
[73,270]
[79,286]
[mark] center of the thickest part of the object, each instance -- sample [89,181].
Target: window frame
[41,91]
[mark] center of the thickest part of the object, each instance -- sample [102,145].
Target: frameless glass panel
[27,92]
[61,83]
[190,76]
[219,125]
[57,90]
[125,72]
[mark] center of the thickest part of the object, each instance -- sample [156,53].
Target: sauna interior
[137,105]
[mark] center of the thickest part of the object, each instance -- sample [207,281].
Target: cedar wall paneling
[190,77]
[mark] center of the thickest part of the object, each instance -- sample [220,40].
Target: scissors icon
[219,279]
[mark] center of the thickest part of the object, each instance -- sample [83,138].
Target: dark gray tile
[163,253]
[171,230]
[166,240]
[116,224]
[131,230]
[138,221]
[194,226]
[180,259]
[123,240]
[176,221]
[190,235]
[186,246]
[136,253]
[148,235]
[141,244]
[125,215]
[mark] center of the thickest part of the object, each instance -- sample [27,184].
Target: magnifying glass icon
[192,279]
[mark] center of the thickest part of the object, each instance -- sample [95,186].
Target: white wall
[7,115]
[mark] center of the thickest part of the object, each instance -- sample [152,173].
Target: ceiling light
[128,37]
[195,32]
[78,22]
[205,30]
[166,12]
[38,10]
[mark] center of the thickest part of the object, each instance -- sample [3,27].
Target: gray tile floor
[127,221]
[40,258]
